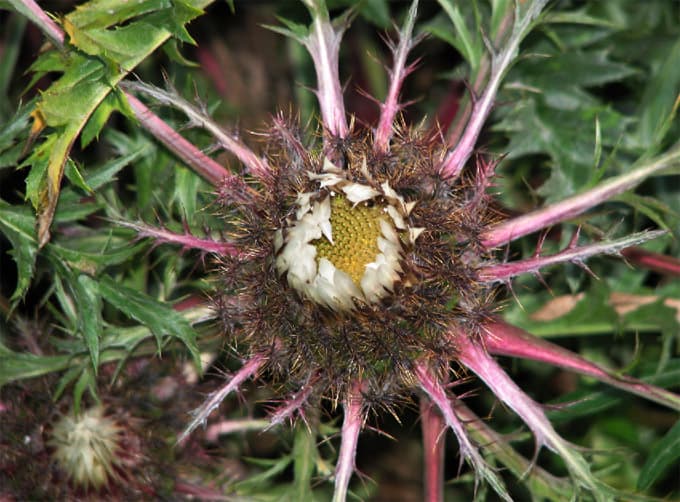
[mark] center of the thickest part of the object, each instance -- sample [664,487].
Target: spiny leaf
[87,80]
[665,453]
[18,225]
[161,319]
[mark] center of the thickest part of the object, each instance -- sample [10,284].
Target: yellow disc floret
[355,237]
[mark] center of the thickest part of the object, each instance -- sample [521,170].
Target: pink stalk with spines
[571,254]
[514,228]
[400,70]
[504,339]
[247,371]
[351,427]
[455,160]
[186,240]
[499,446]
[256,165]
[323,44]
[473,356]
[203,165]
[433,388]
[434,441]
[292,405]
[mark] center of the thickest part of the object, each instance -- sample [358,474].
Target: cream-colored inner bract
[355,237]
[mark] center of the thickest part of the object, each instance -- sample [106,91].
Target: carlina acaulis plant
[358,265]
[90,448]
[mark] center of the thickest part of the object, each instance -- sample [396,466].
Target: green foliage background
[595,89]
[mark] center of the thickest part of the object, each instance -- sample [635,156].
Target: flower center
[338,251]
[355,232]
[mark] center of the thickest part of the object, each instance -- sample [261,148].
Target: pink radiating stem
[573,254]
[434,389]
[323,44]
[213,172]
[292,405]
[389,109]
[185,240]
[654,261]
[46,24]
[255,165]
[351,426]
[455,160]
[570,207]
[506,340]
[249,369]
[434,442]
[478,360]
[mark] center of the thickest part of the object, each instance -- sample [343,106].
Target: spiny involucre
[359,265]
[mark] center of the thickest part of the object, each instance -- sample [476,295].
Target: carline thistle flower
[361,267]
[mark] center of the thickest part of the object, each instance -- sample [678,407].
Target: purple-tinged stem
[654,261]
[351,426]
[391,106]
[225,427]
[460,118]
[572,254]
[256,165]
[455,160]
[538,479]
[323,44]
[434,442]
[249,369]
[570,207]
[296,402]
[434,389]
[186,240]
[506,340]
[478,360]
[213,172]
[34,12]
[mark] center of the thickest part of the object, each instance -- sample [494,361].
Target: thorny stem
[186,240]
[249,369]
[455,160]
[294,404]
[506,340]
[351,426]
[514,228]
[430,384]
[400,70]
[540,480]
[32,11]
[573,254]
[477,359]
[323,44]
[480,77]
[434,442]
[257,166]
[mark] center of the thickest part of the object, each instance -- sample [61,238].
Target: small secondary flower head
[87,447]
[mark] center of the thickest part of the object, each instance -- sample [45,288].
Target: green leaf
[664,454]
[467,42]
[89,304]
[662,90]
[23,365]
[18,225]
[161,319]
[304,455]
